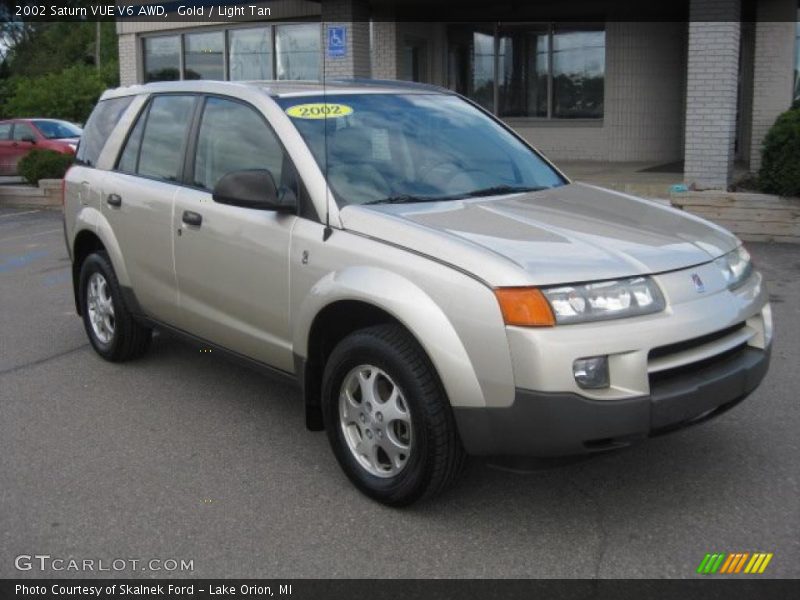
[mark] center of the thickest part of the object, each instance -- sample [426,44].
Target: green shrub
[780,158]
[44,164]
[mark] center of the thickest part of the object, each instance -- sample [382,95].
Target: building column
[712,92]
[773,68]
[385,55]
[128,59]
[353,16]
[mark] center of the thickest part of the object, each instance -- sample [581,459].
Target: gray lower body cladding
[562,424]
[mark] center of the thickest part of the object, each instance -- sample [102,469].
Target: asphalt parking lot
[185,455]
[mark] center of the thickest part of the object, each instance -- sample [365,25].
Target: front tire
[112,330]
[388,420]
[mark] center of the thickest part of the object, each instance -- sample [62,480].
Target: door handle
[114,200]
[192,218]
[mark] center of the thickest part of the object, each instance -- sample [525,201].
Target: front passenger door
[6,167]
[231,262]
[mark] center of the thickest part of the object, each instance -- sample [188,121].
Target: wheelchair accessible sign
[337,41]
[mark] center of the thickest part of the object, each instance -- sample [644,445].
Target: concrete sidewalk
[645,179]
[628,177]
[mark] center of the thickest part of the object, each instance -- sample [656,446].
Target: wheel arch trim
[91,219]
[410,306]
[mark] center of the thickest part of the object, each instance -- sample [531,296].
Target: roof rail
[411,85]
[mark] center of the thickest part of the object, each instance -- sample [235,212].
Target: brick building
[703,90]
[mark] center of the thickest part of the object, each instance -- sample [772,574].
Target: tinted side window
[130,155]
[234,137]
[5,131]
[23,131]
[101,122]
[161,153]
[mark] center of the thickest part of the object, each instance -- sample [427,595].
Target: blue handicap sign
[337,41]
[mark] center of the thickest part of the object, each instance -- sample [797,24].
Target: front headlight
[605,300]
[735,266]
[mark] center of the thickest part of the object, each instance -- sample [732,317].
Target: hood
[568,234]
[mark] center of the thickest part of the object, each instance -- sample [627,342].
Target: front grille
[662,377]
[663,351]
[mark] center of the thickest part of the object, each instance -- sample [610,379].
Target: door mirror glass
[252,188]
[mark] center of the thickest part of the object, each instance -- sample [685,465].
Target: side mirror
[28,138]
[252,188]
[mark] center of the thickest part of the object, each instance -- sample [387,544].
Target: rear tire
[388,419]
[112,330]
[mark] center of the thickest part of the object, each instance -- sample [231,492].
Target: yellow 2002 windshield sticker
[319,110]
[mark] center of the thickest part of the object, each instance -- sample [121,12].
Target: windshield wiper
[405,199]
[489,191]
[503,189]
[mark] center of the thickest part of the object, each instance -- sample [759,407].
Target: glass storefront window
[470,62]
[579,59]
[288,51]
[483,69]
[204,56]
[539,70]
[522,73]
[162,58]
[414,60]
[250,54]
[297,51]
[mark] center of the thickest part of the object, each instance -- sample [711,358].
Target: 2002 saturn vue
[437,287]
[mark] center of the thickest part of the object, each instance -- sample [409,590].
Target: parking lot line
[16,214]
[27,235]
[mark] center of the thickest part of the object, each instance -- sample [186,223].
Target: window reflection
[162,58]
[250,54]
[522,73]
[483,69]
[234,137]
[204,56]
[297,49]
[164,133]
[287,51]
[540,70]
[578,73]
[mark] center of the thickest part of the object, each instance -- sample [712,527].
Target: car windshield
[392,148]
[56,130]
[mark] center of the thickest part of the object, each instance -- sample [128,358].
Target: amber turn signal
[525,307]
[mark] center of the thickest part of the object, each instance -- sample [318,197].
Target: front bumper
[561,424]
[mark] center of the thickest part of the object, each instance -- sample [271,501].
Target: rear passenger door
[139,196]
[232,262]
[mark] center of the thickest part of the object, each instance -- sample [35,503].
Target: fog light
[591,373]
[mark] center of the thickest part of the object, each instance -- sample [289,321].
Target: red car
[20,136]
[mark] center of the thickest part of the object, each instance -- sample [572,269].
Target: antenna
[328,231]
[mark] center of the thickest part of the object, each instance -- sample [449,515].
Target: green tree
[49,69]
[67,94]
[41,48]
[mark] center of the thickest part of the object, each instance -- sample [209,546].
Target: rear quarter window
[100,125]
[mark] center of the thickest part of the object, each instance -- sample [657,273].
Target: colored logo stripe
[734,562]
